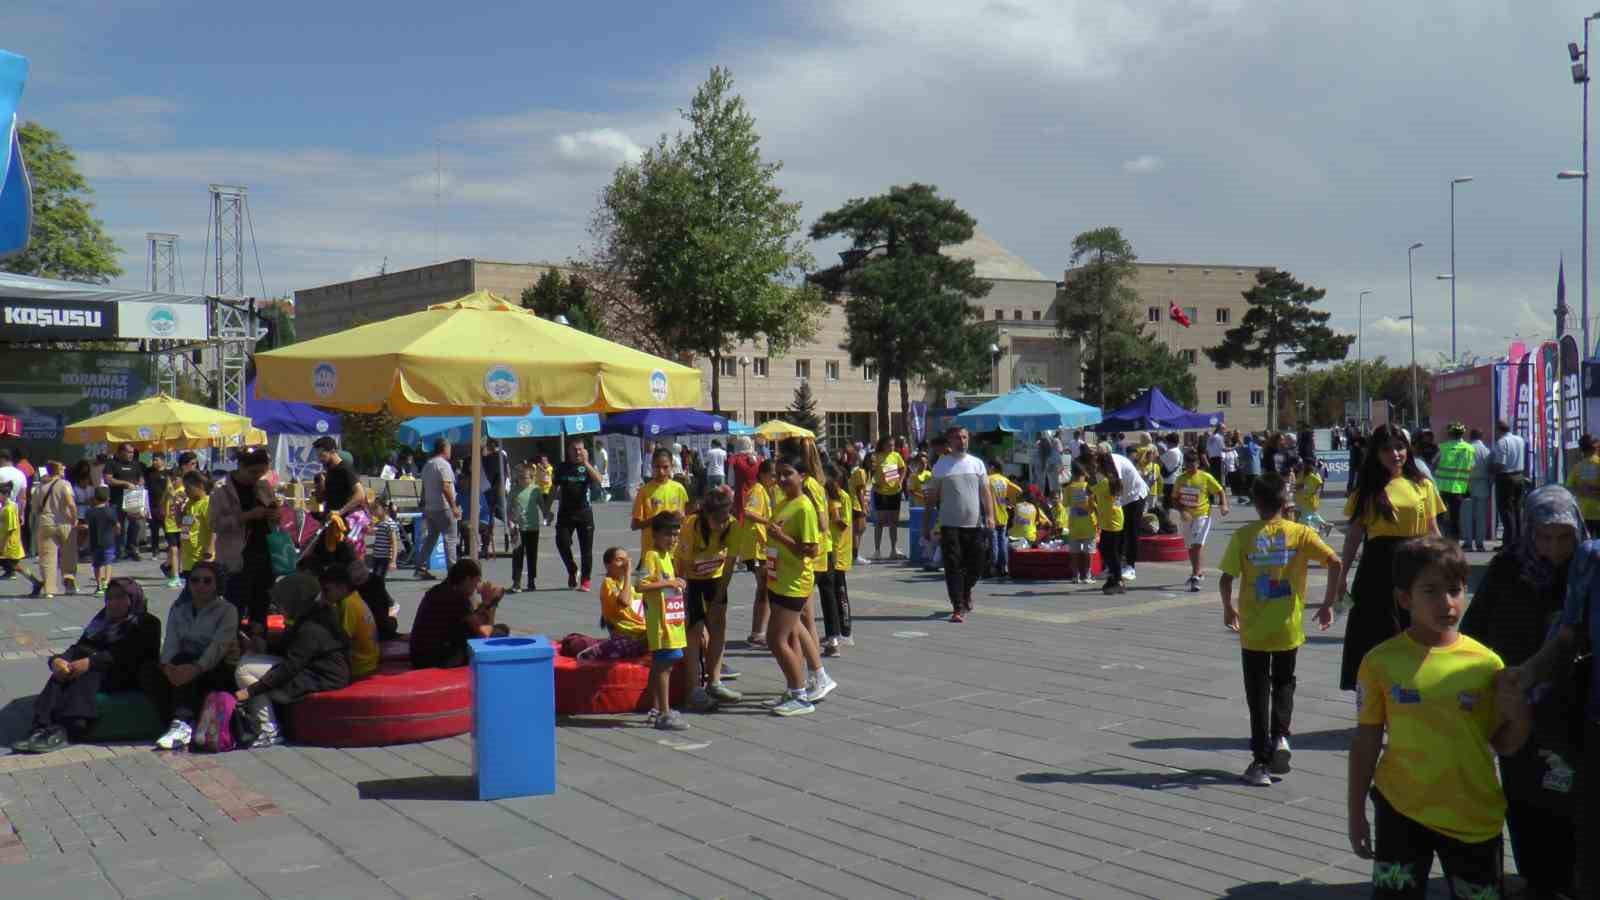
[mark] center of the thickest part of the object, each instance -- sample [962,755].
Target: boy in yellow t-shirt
[658,495]
[664,617]
[1005,492]
[198,542]
[1269,560]
[175,500]
[1080,526]
[888,485]
[355,617]
[10,531]
[621,611]
[1193,491]
[1025,518]
[1448,706]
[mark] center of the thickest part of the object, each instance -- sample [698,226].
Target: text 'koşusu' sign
[57,320]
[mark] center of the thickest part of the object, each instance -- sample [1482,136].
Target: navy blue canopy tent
[647,423]
[1153,410]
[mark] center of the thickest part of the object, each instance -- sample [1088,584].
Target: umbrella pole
[476,481]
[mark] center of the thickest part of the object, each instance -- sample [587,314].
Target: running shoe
[1194,584]
[174,582]
[1280,757]
[793,706]
[846,640]
[672,721]
[700,701]
[584,585]
[177,737]
[830,647]
[1256,775]
[1128,574]
[572,582]
[267,739]
[817,690]
[424,575]
[721,692]
[957,617]
[726,673]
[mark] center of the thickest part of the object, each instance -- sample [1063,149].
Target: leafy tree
[1280,320]
[705,238]
[908,308]
[553,295]
[802,410]
[1096,301]
[1137,361]
[67,241]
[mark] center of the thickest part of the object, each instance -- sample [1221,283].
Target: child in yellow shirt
[176,500]
[621,611]
[198,541]
[705,558]
[10,532]
[831,584]
[1105,489]
[757,508]
[1081,525]
[658,495]
[664,617]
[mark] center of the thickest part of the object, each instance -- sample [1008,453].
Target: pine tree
[802,411]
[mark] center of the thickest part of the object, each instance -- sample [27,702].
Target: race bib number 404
[672,603]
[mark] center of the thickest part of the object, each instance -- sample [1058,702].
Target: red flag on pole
[1178,315]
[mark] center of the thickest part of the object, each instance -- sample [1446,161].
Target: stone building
[335,307]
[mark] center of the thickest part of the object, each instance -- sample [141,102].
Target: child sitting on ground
[1269,559]
[1024,529]
[621,609]
[1448,705]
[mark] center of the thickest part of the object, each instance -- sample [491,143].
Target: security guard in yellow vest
[1453,473]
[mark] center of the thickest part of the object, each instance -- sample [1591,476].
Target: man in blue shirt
[1507,463]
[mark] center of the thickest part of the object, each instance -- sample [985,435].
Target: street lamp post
[744,382]
[1411,293]
[1453,182]
[1361,381]
[1580,75]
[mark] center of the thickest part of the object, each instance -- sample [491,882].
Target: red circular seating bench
[590,686]
[1041,562]
[395,705]
[1162,548]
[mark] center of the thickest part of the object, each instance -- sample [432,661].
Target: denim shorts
[105,557]
[672,655]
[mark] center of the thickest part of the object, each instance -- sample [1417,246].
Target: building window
[1258,398]
[729,366]
[1016,314]
[1037,315]
[802,368]
[766,415]
[1188,356]
[1224,398]
[1153,314]
[1222,315]
[999,314]
[869,372]
[758,366]
[839,428]
[830,369]
[1193,312]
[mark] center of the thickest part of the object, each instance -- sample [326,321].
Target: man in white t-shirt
[1132,499]
[1171,460]
[958,497]
[1214,448]
[716,465]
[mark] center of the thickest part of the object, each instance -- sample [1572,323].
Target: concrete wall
[334,307]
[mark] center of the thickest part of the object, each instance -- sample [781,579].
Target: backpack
[214,732]
[575,643]
[616,648]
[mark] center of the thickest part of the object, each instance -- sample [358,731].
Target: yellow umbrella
[480,352]
[161,422]
[476,354]
[777,430]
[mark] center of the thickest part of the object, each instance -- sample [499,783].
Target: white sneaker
[816,690]
[794,706]
[846,641]
[1280,757]
[1194,584]
[267,739]
[1256,775]
[178,735]
[1128,574]
[863,561]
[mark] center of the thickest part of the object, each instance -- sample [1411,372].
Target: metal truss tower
[234,321]
[161,264]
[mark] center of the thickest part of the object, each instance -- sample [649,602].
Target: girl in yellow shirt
[10,531]
[888,482]
[831,583]
[621,610]
[1392,501]
[1081,526]
[704,558]
[1105,488]
[757,508]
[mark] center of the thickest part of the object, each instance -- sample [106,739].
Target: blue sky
[1320,139]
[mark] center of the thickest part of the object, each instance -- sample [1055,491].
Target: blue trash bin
[916,535]
[513,716]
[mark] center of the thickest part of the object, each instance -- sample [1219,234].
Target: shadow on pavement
[1149,781]
[1300,889]
[422,787]
[1331,739]
[16,718]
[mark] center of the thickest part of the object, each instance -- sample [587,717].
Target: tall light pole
[1361,380]
[1411,293]
[1580,75]
[1453,182]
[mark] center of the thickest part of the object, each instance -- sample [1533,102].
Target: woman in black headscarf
[120,639]
[1516,606]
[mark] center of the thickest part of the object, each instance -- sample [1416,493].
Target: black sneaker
[424,575]
[31,742]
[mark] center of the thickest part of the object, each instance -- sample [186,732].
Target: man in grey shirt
[440,511]
[1508,463]
[959,497]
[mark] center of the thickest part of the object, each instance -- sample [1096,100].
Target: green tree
[1097,301]
[1280,321]
[802,409]
[1138,361]
[907,307]
[554,295]
[705,239]
[67,241]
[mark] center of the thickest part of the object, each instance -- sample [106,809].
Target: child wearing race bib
[888,477]
[198,542]
[1081,525]
[1193,491]
[1448,705]
[176,499]
[664,617]
[757,507]
[1268,558]
[831,583]
[705,556]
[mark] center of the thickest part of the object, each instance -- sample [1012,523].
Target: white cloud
[1389,325]
[1143,164]
[604,148]
[135,119]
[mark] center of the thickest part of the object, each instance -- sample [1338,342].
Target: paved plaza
[1060,743]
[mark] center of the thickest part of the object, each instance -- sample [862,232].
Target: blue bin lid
[509,649]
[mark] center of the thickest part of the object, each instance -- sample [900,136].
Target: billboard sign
[162,321]
[49,389]
[56,320]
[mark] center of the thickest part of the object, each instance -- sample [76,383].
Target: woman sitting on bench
[106,658]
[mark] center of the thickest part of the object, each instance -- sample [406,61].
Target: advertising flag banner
[1571,394]
[1549,411]
[1522,392]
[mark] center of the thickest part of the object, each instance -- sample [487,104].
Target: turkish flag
[1178,315]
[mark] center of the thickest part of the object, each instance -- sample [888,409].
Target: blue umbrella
[646,423]
[1028,409]
[735,427]
[284,417]
[1153,409]
[458,429]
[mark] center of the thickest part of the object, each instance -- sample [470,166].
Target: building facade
[335,307]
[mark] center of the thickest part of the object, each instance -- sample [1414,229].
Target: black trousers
[583,527]
[249,588]
[1269,693]
[1214,463]
[1132,518]
[183,701]
[966,555]
[1452,506]
[67,703]
[375,593]
[1111,554]
[1508,501]
[527,547]
[835,602]
[1544,833]
[1403,853]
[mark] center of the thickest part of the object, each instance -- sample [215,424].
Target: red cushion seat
[395,705]
[1045,562]
[1162,548]
[594,686]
